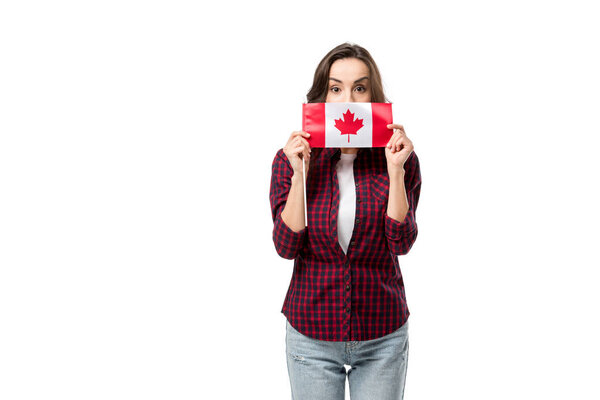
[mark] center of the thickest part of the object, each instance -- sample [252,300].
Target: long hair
[318,91]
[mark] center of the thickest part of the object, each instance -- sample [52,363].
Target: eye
[361,87]
[335,89]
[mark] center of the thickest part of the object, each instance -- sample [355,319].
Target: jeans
[316,367]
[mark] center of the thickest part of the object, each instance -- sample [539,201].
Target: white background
[136,258]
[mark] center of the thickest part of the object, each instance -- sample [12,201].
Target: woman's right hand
[297,149]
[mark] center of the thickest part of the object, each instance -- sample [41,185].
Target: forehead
[348,69]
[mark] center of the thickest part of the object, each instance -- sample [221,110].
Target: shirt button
[358,220]
[352,243]
[347,286]
[359,199]
[357,185]
[347,309]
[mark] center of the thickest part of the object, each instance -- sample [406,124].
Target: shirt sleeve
[401,235]
[287,242]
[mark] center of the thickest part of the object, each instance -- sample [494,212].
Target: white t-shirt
[347,209]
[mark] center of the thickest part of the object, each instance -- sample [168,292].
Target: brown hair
[318,91]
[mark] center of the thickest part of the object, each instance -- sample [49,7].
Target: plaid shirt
[359,295]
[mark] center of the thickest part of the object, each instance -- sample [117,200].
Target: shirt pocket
[380,184]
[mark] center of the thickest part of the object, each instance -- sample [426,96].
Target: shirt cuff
[287,242]
[395,230]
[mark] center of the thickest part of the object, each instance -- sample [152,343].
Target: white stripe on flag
[336,111]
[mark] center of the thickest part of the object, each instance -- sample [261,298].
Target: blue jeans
[316,367]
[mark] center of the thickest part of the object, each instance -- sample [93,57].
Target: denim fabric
[317,368]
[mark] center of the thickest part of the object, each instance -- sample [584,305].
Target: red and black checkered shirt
[359,295]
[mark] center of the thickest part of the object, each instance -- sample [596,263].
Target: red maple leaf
[349,126]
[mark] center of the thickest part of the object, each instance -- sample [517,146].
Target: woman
[346,303]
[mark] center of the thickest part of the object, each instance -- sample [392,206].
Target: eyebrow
[356,81]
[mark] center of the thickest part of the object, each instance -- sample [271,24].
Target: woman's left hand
[398,149]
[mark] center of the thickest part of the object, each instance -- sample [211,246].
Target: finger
[306,147]
[395,126]
[297,134]
[292,140]
[297,150]
[406,145]
[399,131]
[299,139]
[306,144]
[303,150]
[305,153]
[397,145]
[389,143]
[392,140]
[400,143]
[301,133]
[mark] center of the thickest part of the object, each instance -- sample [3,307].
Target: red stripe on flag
[382,116]
[313,122]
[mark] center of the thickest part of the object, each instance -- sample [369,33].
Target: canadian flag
[347,124]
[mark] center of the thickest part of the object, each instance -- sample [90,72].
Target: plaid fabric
[359,295]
